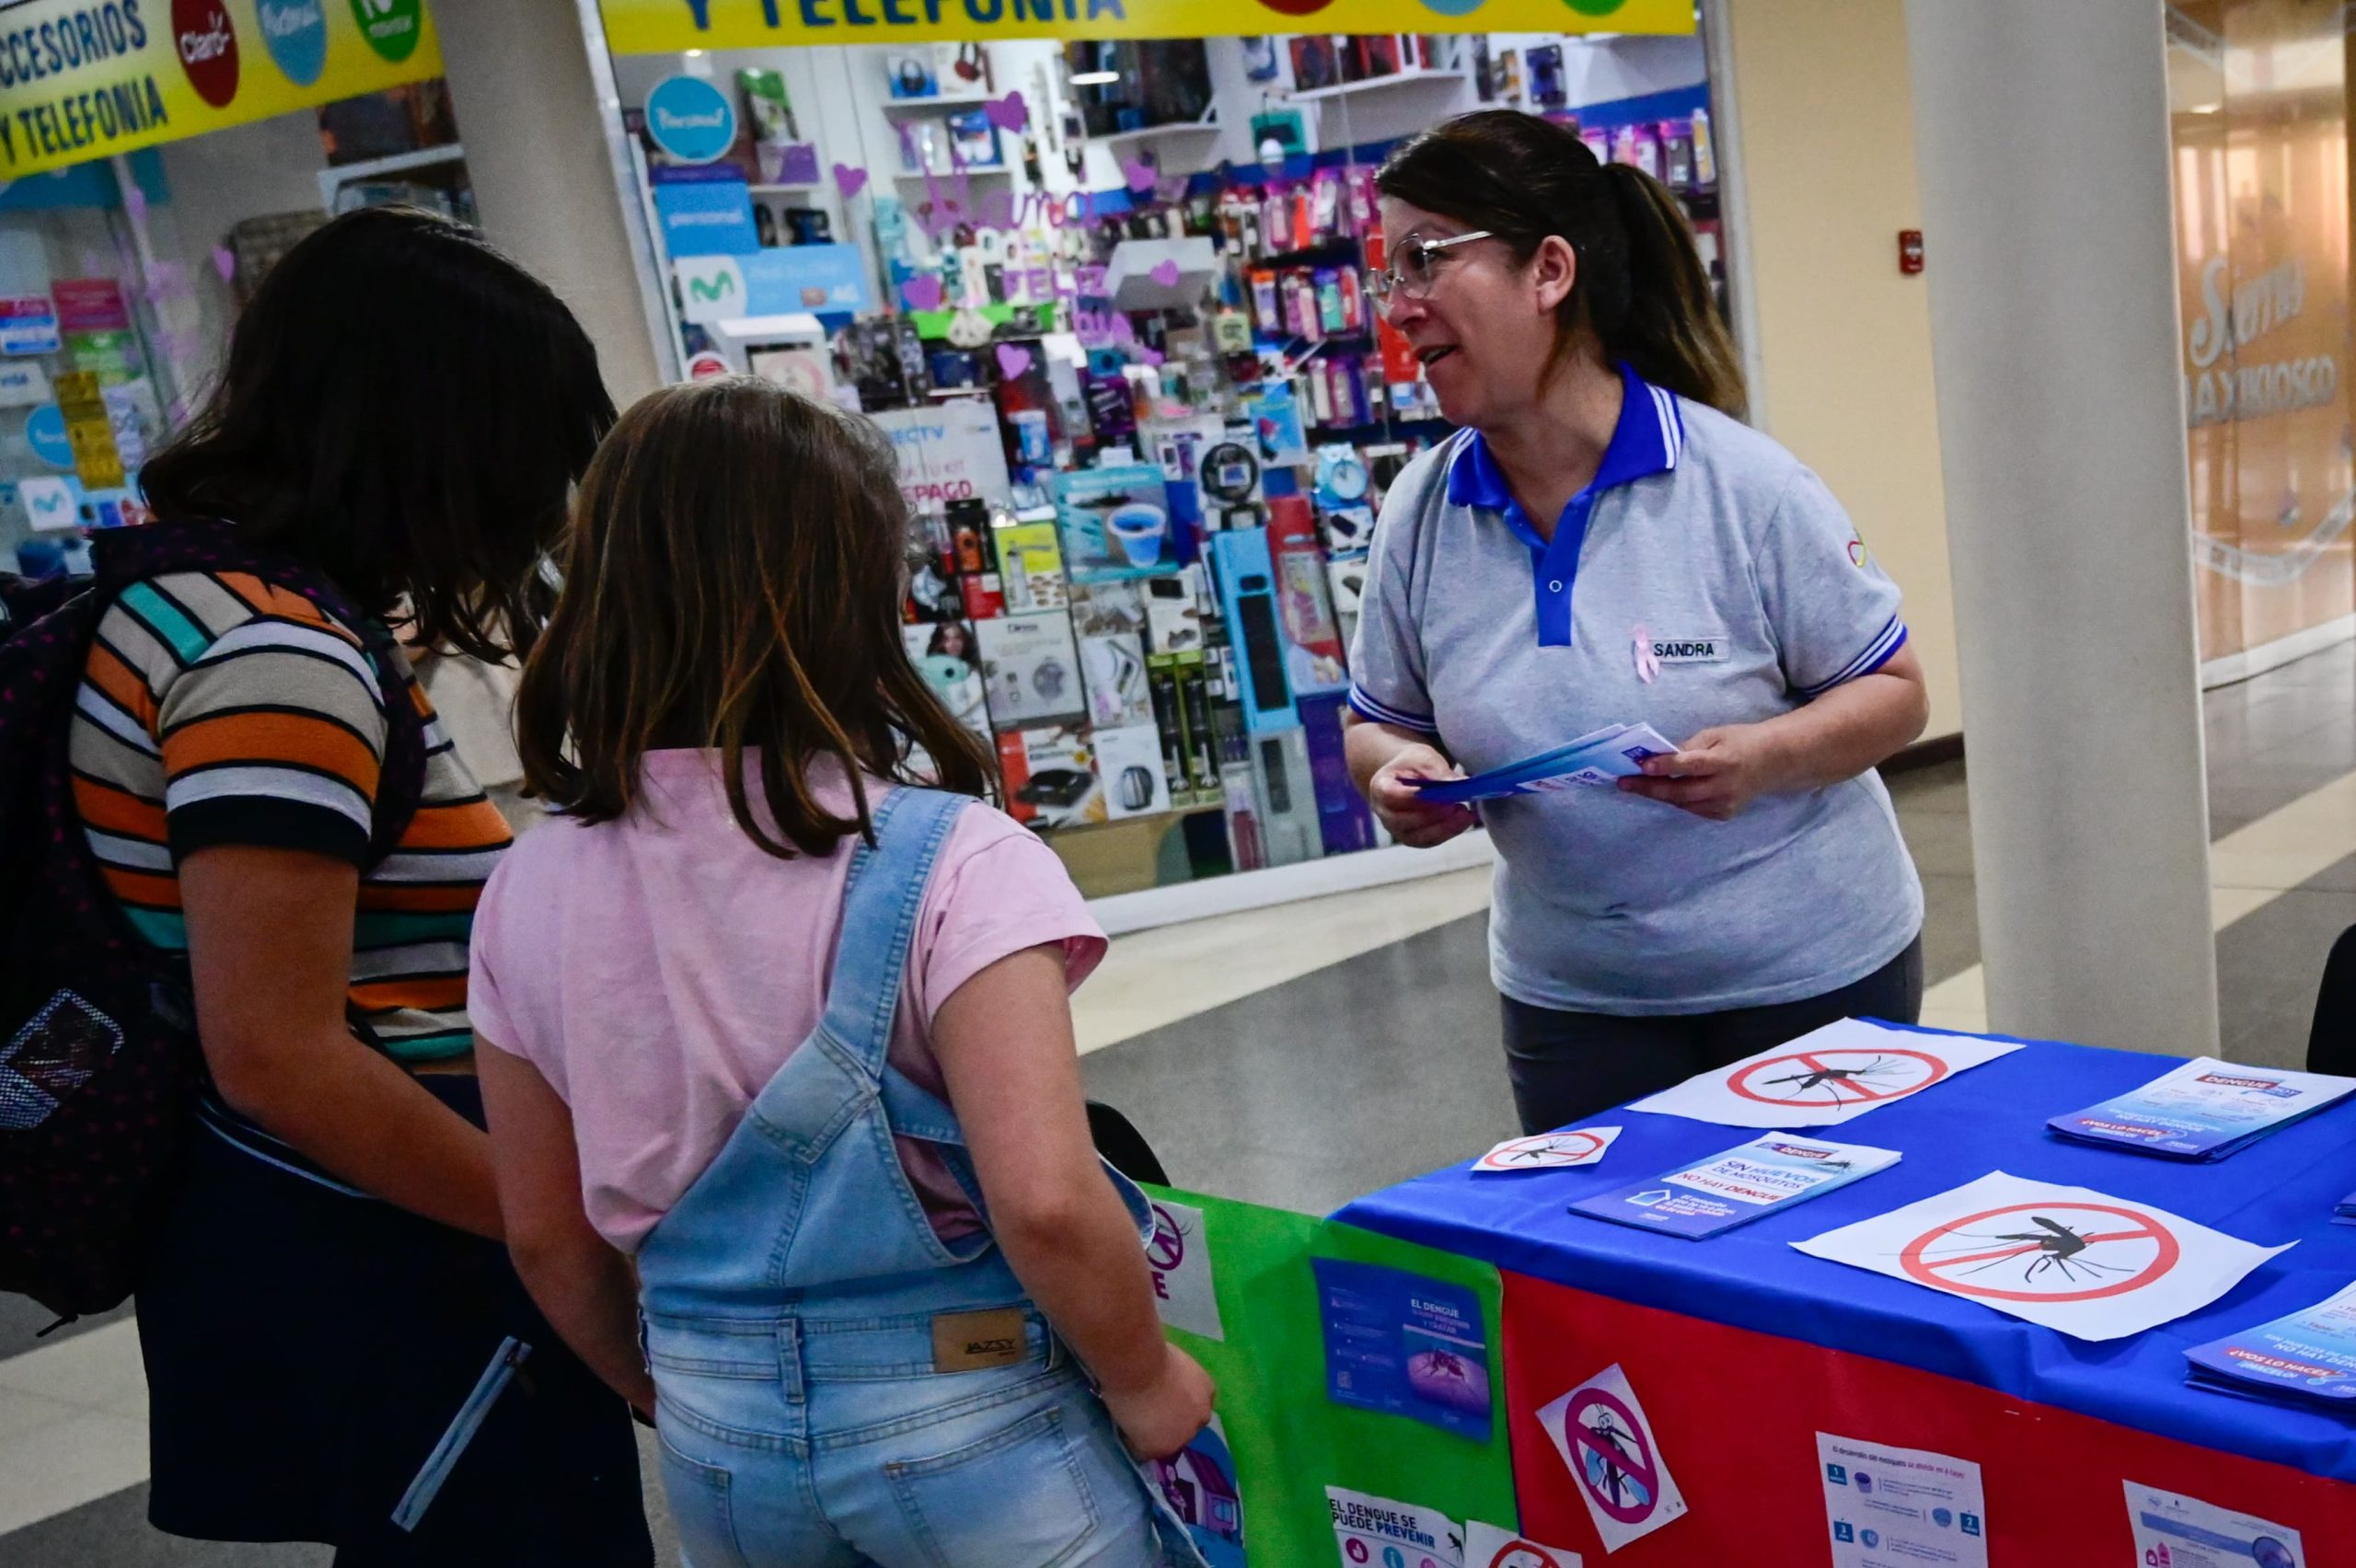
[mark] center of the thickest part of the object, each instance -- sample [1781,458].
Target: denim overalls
[838,1385]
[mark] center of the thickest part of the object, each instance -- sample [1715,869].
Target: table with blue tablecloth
[1744,1350]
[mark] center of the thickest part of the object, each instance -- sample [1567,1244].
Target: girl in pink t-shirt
[780,1073]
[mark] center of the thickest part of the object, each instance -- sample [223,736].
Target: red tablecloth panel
[1736,1414]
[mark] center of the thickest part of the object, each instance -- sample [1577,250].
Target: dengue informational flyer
[1738,1186]
[1600,1430]
[2306,1357]
[1404,1344]
[1824,1078]
[2183,1532]
[1375,1532]
[2077,1261]
[1901,1507]
[2204,1110]
[1549,1151]
[1486,1546]
[1180,1258]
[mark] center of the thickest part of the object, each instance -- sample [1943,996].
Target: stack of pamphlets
[2204,1110]
[1598,758]
[2306,1359]
[1738,1186]
[2344,1211]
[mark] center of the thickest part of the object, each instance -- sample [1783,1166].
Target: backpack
[98,1059]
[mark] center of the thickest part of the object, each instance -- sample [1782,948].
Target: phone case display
[1109,620]
[1313,654]
[1031,666]
[1343,823]
[1248,591]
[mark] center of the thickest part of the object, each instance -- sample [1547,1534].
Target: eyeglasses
[1415,268]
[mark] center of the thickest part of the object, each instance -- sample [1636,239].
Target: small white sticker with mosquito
[1825,1078]
[2076,1261]
[1179,1256]
[1600,1431]
[1486,1546]
[1549,1151]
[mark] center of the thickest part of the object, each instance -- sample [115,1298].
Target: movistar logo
[712,289]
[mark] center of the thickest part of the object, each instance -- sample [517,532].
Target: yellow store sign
[666,27]
[81,79]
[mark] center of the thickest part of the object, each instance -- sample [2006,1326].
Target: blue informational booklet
[2307,1358]
[1738,1186]
[2344,1211]
[1600,758]
[2204,1110]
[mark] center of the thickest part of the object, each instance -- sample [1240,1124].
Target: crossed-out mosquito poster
[1600,1430]
[2074,1259]
[1825,1078]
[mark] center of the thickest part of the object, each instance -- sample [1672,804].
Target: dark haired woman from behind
[1605,543]
[337,1347]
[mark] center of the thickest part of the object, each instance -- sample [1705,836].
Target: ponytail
[1670,330]
[1641,292]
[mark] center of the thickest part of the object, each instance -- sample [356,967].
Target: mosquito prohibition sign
[1837,1078]
[2049,1252]
[1522,1153]
[1615,1462]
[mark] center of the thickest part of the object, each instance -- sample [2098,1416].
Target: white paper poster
[1180,1257]
[1600,1430]
[1824,1078]
[1486,1546]
[949,451]
[2077,1261]
[2176,1531]
[1578,1146]
[1375,1532]
[1901,1507]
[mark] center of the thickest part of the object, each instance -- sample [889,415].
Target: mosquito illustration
[1533,1153]
[1835,1079]
[1443,1363]
[2052,1247]
[1606,1471]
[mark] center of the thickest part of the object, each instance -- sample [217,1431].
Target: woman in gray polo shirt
[1604,542]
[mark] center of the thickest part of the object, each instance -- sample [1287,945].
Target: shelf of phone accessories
[1990,1118]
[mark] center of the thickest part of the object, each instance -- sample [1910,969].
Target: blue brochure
[2204,1110]
[2307,1358]
[1600,757]
[1404,1344]
[1738,1186]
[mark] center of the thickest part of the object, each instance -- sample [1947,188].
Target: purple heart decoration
[849,181]
[1013,360]
[922,292]
[1011,112]
[225,262]
[1140,176]
[1165,273]
[1152,357]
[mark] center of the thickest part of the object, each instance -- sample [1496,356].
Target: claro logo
[208,47]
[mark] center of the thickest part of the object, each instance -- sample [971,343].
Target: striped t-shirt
[216,708]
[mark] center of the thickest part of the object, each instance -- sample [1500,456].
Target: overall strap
[888,877]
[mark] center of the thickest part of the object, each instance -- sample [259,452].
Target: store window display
[1108,298]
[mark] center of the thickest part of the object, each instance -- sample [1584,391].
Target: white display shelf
[1159,133]
[947,100]
[1121,913]
[1377,84]
[788,188]
[337,176]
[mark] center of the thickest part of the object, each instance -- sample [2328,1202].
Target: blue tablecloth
[1990,1118]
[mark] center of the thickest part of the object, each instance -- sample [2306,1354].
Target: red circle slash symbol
[2051,1252]
[1167,1248]
[1837,1078]
[1612,1456]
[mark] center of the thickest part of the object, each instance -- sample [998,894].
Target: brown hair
[1641,289]
[733,580]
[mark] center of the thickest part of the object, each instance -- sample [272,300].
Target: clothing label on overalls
[969,1342]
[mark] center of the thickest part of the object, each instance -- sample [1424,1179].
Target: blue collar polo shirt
[1709,555]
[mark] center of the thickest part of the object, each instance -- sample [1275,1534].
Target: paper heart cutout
[1152,357]
[1011,112]
[922,292]
[1165,273]
[1013,360]
[1142,177]
[225,262]
[849,181]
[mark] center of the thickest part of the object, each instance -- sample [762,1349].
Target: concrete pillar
[535,109]
[2042,132]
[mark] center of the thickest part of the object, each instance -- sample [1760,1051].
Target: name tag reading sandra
[1689,649]
[974,1341]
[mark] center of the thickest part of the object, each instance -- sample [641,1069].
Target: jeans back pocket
[1015,1498]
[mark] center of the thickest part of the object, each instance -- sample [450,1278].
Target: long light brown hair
[733,580]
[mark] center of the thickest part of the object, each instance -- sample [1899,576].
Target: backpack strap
[126,556]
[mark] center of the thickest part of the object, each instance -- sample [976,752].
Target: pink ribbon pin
[1648,666]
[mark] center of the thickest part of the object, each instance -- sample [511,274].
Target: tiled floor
[1303,1055]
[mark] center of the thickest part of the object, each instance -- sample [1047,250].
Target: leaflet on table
[2183,1532]
[1825,1078]
[2344,1211]
[1549,1151]
[2204,1110]
[1738,1186]
[1600,758]
[1901,1507]
[2307,1357]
